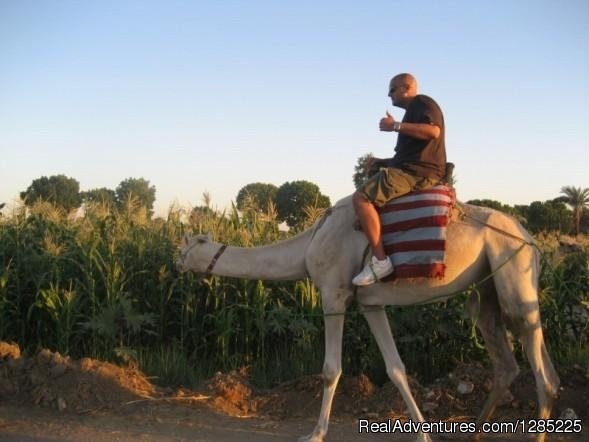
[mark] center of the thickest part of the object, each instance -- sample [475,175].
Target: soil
[50,397]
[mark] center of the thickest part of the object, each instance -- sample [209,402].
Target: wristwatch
[397,126]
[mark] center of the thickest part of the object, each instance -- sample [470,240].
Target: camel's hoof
[423,437]
[311,438]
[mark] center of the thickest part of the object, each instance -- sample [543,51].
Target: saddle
[413,229]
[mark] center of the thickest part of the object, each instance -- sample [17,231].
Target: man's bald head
[402,89]
[405,80]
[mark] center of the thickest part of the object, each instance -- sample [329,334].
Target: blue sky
[199,96]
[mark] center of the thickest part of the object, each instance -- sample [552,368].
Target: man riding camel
[419,163]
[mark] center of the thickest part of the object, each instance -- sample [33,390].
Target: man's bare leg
[370,222]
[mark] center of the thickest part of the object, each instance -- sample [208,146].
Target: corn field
[104,285]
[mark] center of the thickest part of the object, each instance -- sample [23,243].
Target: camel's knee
[549,390]
[554,386]
[525,321]
[397,374]
[331,374]
[552,383]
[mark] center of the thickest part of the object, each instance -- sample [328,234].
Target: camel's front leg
[379,326]
[332,367]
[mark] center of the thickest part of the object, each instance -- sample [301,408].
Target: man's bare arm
[421,131]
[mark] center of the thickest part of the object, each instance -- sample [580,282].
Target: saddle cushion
[414,232]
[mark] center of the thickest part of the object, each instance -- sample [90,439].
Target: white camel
[332,252]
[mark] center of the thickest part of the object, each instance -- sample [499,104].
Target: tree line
[292,201]
[568,213]
[64,192]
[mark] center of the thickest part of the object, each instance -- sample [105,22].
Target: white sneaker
[373,271]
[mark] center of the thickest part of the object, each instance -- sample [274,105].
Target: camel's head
[188,256]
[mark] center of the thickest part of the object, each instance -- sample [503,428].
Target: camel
[480,242]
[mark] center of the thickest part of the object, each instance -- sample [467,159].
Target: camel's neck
[281,261]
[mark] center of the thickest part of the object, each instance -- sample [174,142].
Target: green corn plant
[6,305]
[63,306]
[564,298]
[170,365]
[111,275]
[117,322]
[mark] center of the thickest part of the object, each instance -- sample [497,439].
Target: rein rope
[472,288]
[209,271]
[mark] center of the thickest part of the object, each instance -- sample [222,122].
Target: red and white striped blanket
[414,232]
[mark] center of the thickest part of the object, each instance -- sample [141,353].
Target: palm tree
[578,199]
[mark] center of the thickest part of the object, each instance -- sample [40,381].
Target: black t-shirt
[425,158]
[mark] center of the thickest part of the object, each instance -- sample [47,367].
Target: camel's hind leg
[379,325]
[529,332]
[486,312]
[517,291]
[547,381]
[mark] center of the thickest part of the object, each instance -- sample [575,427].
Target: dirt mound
[297,398]
[459,396]
[50,379]
[9,350]
[232,394]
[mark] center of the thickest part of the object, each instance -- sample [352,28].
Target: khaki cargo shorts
[390,183]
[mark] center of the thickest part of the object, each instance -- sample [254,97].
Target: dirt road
[161,423]
[165,423]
